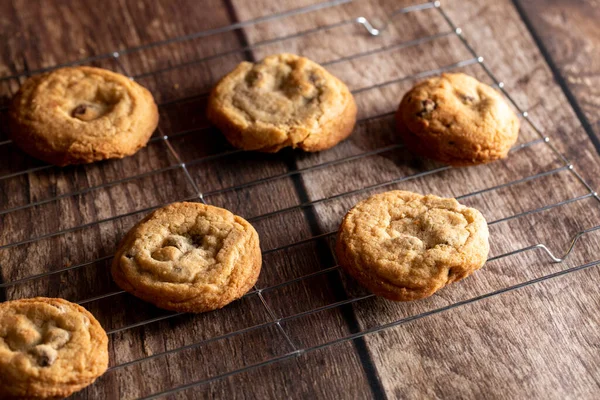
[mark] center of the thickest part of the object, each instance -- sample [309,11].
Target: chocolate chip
[468,99]
[79,110]
[180,242]
[44,355]
[428,106]
[88,112]
[44,361]
[197,240]
[253,77]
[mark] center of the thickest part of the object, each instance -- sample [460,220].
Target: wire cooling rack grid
[275,319]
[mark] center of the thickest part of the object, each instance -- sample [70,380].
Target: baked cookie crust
[189,257]
[79,115]
[49,348]
[282,101]
[404,246]
[455,119]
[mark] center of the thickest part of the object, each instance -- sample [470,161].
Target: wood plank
[67,31]
[526,346]
[290,379]
[433,356]
[375,170]
[517,70]
[73,254]
[569,33]
[498,34]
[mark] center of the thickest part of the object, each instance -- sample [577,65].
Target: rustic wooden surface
[499,334]
[568,33]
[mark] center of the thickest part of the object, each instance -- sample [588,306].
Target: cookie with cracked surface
[282,101]
[80,115]
[49,348]
[189,257]
[455,119]
[405,246]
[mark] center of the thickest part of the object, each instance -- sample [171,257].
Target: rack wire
[275,321]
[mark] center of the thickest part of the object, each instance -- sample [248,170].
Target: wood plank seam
[379,328]
[500,84]
[249,56]
[324,254]
[182,38]
[573,102]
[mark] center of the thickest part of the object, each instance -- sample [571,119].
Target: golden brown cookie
[283,100]
[49,348]
[455,119]
[80,115]
[189,257]
[405,246]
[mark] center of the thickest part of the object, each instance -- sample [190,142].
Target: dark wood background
[521,327]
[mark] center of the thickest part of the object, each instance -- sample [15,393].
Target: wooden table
[524,326]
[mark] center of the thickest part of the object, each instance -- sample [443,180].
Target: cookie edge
[252,260]
[31,139]
[37,390]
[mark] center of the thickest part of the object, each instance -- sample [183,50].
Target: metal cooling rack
[475,59]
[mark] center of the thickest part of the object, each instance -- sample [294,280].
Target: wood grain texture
[569,33]
[291,197]
[539,340]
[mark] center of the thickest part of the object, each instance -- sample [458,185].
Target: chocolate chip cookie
[283,100]
[80,115]
[49,348]
[189,257]
[404,246]
[457,120]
